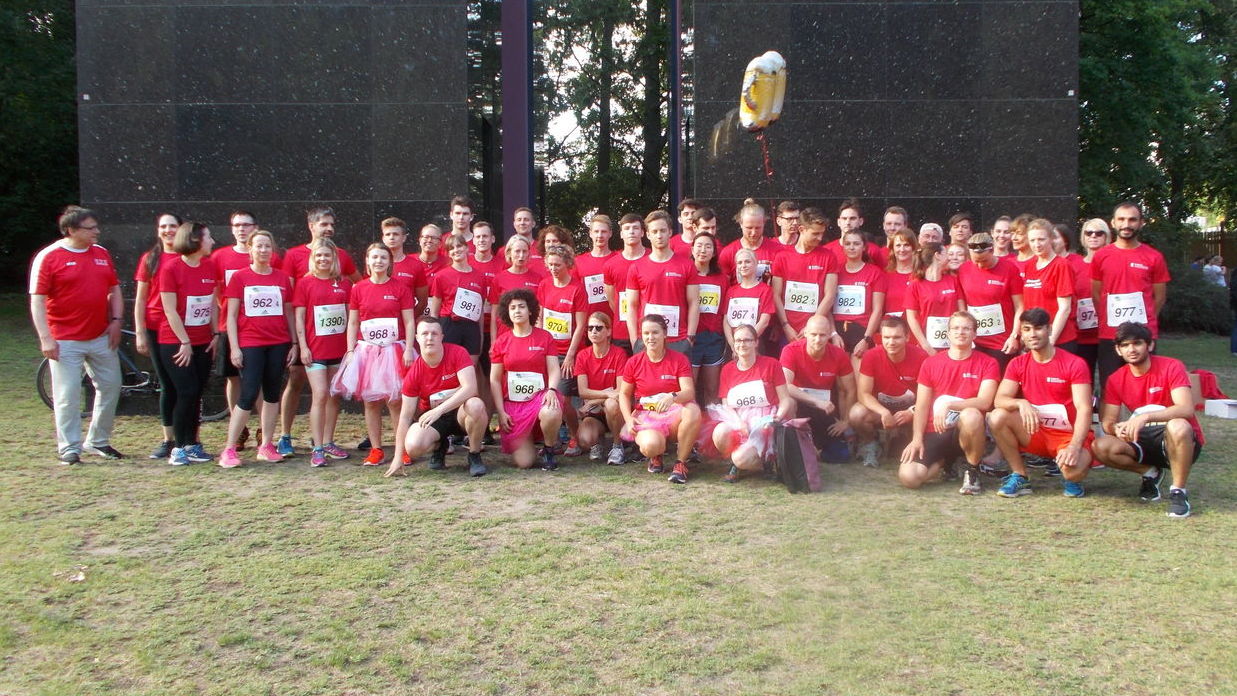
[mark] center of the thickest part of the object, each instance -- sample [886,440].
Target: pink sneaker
[334,451]
[228,459]
[267,453]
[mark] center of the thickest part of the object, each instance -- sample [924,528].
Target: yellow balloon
[764,90]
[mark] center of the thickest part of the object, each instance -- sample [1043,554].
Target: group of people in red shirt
[683,341]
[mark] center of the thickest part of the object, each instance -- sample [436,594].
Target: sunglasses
[596,327]
[979,247]
[1094,233]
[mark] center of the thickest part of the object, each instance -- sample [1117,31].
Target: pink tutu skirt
[659,421]
[371,373]
[525,422]
[752,424]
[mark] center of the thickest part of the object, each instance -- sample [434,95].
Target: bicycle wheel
[43,381]
[214,398]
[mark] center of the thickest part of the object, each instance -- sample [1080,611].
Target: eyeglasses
[1094,233]
[596,327]
[744,340]
[979,247]
[244,224]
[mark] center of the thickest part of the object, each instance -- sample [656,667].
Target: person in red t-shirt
[597,370]
[886,386]
[76,307]
[751,219]
[754,398]
[899,269]
[956,388]
[457,296]
[148,316]
[747,301]
[1095,235]
[850,219]
[860,301]
[564,307]
[1162,431]
[659,284]
[934,294]
[1048,283]
[517,275]
[658,398]
[590,268]
[631,231]
[187,342]
[789,220]
[681,243]
[992,288]
[805,278]
[523,373]
[1043,407]
[814,369]
[440,395]
[708,350]
[406,268]
[320,302]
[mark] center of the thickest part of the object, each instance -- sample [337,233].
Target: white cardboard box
[1221,408]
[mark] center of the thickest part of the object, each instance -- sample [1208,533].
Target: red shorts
[1046,443]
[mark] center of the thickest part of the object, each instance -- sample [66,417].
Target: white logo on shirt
[1153,390]
[1139,266]
[1054,380]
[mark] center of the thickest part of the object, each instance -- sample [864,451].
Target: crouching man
[887,384]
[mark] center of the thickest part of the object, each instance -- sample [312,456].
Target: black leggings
[167,390]
[262,371]
[188,382]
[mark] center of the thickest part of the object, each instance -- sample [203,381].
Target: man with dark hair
[77,310]
[681,243]
[887,382]
[789,223]
[895,220]
[631,230]
[961,227]
[461,214]
[1162,431]
[1043,407]
[850,217]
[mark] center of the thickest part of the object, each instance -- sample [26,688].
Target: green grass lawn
[136,578]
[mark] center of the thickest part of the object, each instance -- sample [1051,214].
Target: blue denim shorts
[709,349]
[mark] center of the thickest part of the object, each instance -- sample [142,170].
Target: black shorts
[941,447]
[851,332]
[223,357]
[1152,450]
[462,332]
[569,387]
[448,426]
[708,350]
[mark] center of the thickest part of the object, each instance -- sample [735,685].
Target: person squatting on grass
[597,371]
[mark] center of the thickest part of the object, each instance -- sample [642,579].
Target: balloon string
[764,152]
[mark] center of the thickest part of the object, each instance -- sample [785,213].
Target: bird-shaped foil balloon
[764,89]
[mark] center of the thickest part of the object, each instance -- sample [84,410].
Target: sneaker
[870,452]
[268,453]
[475,466]
[283,447]
[596,452]
[318,458]
[1178,503]
[363,445]
[406,459]
[1052,470]
[548,462]
[163,451]
[334,451]
[451,444]
[106,451]
[732,475]
[573,449]
[655,465]
[240,442]
[1035,461]
[228,458]
[488,440]
[616,456]
[1073,489]
[196,453]
[970,481]
[438,460]
[1013,486]
[679,474]
[1150,490]
[178,457]
[375,457]
[1000,470]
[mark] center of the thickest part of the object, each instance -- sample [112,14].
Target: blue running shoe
[195,453]
[178,457]
[1013,486]
[1073,489]
[284,446]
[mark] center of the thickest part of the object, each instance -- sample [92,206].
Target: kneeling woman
[754,397]
[658,398]
[522,365]
[597,370]
[440,392]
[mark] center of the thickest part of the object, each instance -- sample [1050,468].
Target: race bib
[852,300]
[801,297]
[747,394]
[624,307]
[1149,408]
[1126,307]
[894,314]
[650,402]
[197,309]
[1053,416]
[763,268]
[710,298]
[557,323]
[938,332]
[467,304]
[1086,317]
[742,310]
[940,405]
[330,320]
[595,288]
[523,386]
[671,314]
[440,396]
[821,394]
[989,319]
[896,403]
[263,301]
[380,332]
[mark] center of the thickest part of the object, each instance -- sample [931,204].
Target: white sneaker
[970,482]
[595,452]
[616,456]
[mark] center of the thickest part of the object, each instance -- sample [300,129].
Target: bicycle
[138,382]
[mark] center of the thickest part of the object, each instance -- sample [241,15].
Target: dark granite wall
[935,106]
[200,108]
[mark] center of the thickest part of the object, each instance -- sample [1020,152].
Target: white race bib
[197,310]
[671,314]
[467,304]
[1053,416]
[595,288]
[1149,408]
[894,314]
[710,298]
[821,394]
[852,300]
[263,301]
[896,403]
[747,394]
[380,332]
[939,407]
[1086,317]
[649,402]
[557,323]
[523,386]
[440,396]
[801,297]
[331,319]
[1126,307]
[742,310]
[989,319]
[938,332]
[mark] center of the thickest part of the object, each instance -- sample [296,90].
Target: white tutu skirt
[371,373]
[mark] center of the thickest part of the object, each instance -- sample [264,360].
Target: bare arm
[38,315]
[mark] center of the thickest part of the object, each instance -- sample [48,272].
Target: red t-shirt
[505,281]
[525,355]
[296,262]
[261,320]
[880,257]
[602,372]
[989,295]
[1126,276]
[712,288]
[803,277]
[154,304]
[591,272]
[892,379]
[227,262]
[745,305]
[76,284]
[462,294]
[489,270]
[815,374]
[1048,386]
[1042,286]
[766,254]
[651,378]
[433,385]
[839,254]
[1124,388]
[933,302]
[958,379]
[195,293]
[856,292]
[376,303]
[1084,309]
[663,290]
[615,272]
[756,386]
[678,246]
[326,315]
[897,292]
[558,311]
[411,272]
